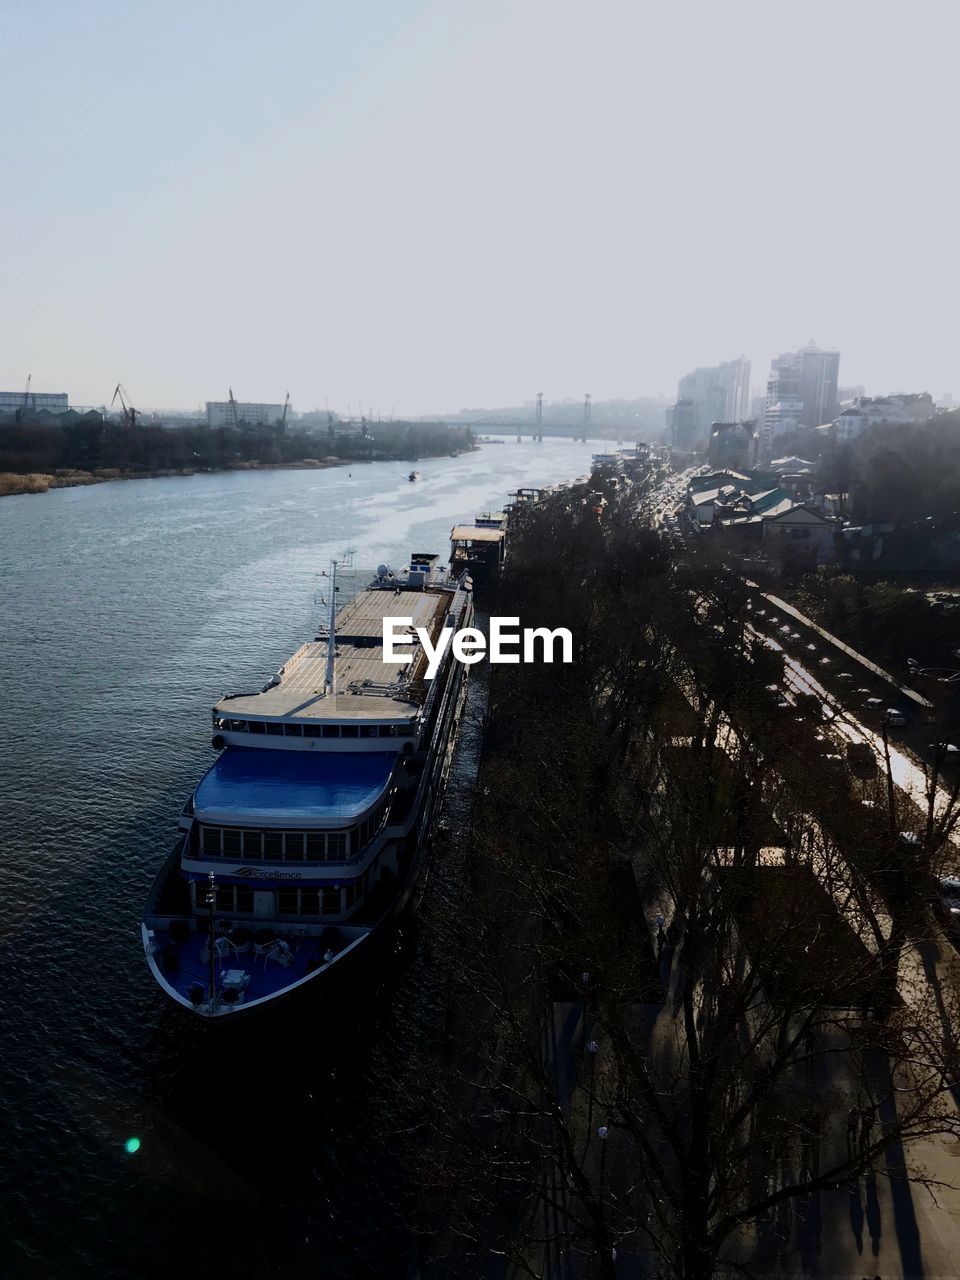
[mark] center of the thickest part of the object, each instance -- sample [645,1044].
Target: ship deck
[366,686]
[181,965]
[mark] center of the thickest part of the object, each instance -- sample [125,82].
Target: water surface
[126,610]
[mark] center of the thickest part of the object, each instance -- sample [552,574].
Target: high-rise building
[801,390]
[715,393]
[845,394]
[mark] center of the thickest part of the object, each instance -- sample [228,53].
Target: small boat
[414,475]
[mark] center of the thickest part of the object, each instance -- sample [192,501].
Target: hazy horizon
[420,207]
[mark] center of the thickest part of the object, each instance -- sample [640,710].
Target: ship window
[231,844]
[387,731]
[350,894]
[287,902]
[331,902]
[225,898]
[257,726]
[253,844]
[331,731]
[244,898]
[349,731]
[368,731]
[238,726]
[273,844]
[275,729]
[309,902]
[313,731]
[293,845]
[316,846]
[212,840]
[293,730]
[337,844]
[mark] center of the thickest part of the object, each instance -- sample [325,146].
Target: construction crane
[234,411]
[286,410]
[18,416]
[127,411]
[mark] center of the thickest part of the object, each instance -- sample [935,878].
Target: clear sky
[430,204]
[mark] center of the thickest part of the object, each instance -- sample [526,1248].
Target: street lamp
[602,1135]
[211,902]
[592,1048]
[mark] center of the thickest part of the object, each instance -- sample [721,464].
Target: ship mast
[332,629]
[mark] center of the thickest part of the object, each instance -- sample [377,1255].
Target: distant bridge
[574,430]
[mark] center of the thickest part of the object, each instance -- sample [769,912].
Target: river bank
[13,484]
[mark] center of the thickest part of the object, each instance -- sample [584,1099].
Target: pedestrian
[867,1117]
[853,1121]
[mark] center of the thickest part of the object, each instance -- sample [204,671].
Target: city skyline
[761,378]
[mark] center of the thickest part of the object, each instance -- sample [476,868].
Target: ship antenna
[332,629]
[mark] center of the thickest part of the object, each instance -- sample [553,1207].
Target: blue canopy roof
[292,788]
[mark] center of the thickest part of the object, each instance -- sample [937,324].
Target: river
[126,610]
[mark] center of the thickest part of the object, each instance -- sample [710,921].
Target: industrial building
[32,402]
[228,413]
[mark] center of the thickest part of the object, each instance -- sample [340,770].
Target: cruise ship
[309,830]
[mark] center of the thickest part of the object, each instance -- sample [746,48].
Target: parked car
[875,704]
[894,717]
[950,894]
[845,676]
[947,905]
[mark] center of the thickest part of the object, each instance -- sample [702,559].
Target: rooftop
[274,788]
[475,533]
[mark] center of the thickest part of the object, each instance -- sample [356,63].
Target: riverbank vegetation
[47,455]
[894,472]
[676,1013]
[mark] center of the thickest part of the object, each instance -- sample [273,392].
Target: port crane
[128,413]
